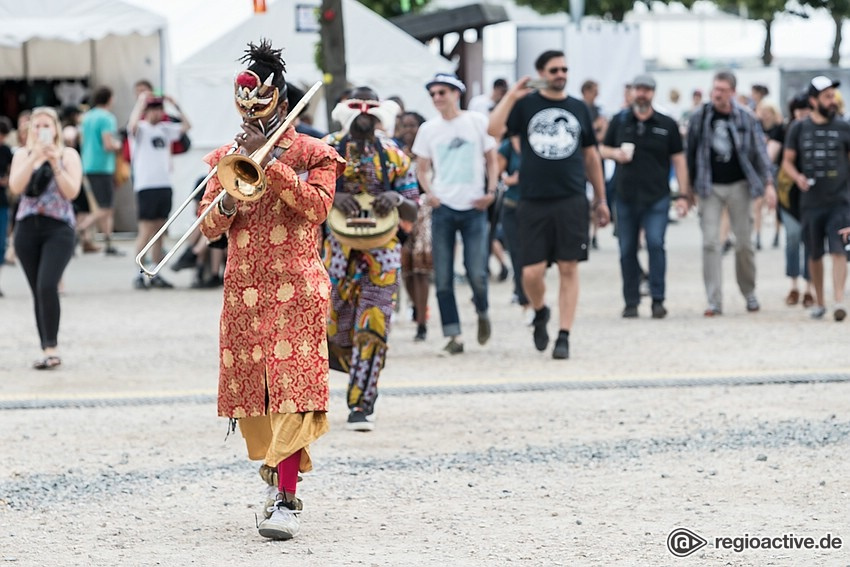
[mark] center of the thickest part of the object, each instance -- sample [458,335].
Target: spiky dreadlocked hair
[264,60]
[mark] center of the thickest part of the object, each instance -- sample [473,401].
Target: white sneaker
[817,312]
[282,523]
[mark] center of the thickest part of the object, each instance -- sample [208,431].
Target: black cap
[820,84]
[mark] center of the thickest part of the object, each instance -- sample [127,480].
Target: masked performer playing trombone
[362,253]
[273,345]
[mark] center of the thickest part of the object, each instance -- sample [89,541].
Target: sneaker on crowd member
[161,283]
[562,346]
[713,311]
[483,329]
[453,346]
[283,521]
[541,335]
[359,421]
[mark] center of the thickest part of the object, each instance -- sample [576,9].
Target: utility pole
[332,37]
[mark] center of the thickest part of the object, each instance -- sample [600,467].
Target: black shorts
[81,201]
[103,188]
[553,229]
[153,204]
[822,223]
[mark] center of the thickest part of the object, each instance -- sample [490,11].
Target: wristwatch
[226,212]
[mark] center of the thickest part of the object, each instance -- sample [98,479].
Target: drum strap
[382,155]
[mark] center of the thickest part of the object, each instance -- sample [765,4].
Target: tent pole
[25,60]
[161,60]
[93,59]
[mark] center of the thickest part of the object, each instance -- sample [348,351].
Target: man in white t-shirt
[484,103]
[150,146]
[457,171]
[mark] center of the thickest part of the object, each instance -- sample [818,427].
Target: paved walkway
[120,342]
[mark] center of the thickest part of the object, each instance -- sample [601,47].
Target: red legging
[287,472]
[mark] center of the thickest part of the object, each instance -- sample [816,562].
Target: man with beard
[643,142]
[365,281]
[552,214]
[729,167]
[816,157]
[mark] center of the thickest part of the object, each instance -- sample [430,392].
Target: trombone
[240,176]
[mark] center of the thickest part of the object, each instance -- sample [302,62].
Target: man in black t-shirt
[559,153]
[644,142]
[817,157]
[729,167]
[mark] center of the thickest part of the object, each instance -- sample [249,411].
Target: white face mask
[385,111]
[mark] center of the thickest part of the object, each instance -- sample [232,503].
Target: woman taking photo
[47,176]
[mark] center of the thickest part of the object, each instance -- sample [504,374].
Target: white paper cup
[628,149]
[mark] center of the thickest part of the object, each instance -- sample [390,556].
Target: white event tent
[107,42]
[378,54]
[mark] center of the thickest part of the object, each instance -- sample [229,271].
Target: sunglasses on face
[553,70]
[362,105]
[438,92]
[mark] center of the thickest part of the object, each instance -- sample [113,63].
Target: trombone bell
[241,177]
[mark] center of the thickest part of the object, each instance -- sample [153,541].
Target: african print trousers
[359,325]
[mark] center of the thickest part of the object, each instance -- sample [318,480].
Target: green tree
[614,10]
[764,11]
[393,8]
[839,10]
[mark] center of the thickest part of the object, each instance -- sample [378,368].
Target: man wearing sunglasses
[456,149]
[559,154]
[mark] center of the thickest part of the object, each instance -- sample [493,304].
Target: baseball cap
[820,84]
[448,80]
[644,80]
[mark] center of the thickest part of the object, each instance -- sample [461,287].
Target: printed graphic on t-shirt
[721,141]
[554,133]
[158,142]
[457,161]
[820,149]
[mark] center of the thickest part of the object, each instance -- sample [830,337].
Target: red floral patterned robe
[276,290]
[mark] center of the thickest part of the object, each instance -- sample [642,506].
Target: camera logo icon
[682,542]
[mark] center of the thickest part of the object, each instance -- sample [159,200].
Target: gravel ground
[504,456]
[595,477]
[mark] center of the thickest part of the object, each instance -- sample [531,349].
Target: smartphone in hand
[537,84]
[44,136]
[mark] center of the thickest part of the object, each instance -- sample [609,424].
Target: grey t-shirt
[822,151]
